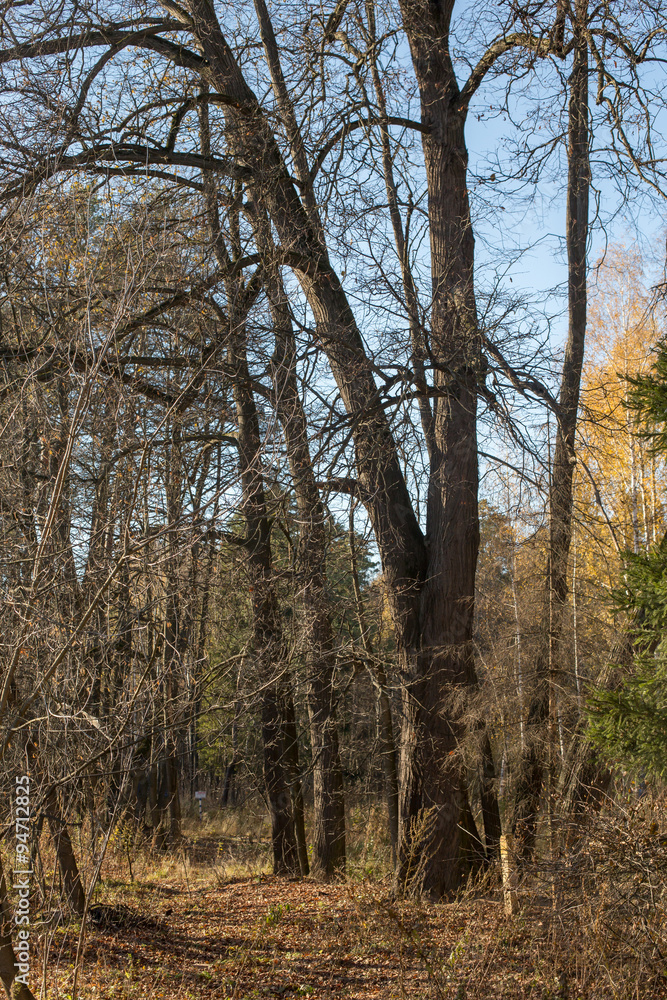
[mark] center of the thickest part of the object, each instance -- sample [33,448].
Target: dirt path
[191,930]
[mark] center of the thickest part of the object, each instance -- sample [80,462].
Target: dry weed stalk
[421,832]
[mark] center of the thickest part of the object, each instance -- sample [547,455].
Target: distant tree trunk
[388,755]
[489,797]
[62,845]
[280,748]
[153,801]
[177,635]
[164,798]
[194,677]
[174,796]
[378,676]
[74,894]
[296,792]
[230,769]
[329,805]
[550,655]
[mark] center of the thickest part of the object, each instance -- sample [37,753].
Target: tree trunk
[292,764]
[440,670]
[329,805]
[378,676]
[278,731]
[62,845]
[177,635]
[549,657]
[230,769]
[281,771]
[283,836]
[489,796]
[74,894]
[388,755]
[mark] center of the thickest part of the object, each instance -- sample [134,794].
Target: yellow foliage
[628,511]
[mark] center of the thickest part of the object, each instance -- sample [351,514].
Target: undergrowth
[207,919]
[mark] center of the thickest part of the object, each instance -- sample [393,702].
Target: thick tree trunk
[438,674]
[549,660]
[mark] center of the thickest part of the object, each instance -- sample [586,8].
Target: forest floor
[195,925]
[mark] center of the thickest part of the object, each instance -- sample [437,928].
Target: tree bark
[438,674]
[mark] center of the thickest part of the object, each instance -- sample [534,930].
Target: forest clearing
[333,499]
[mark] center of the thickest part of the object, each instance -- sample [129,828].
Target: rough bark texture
[438,673]
[549,657]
